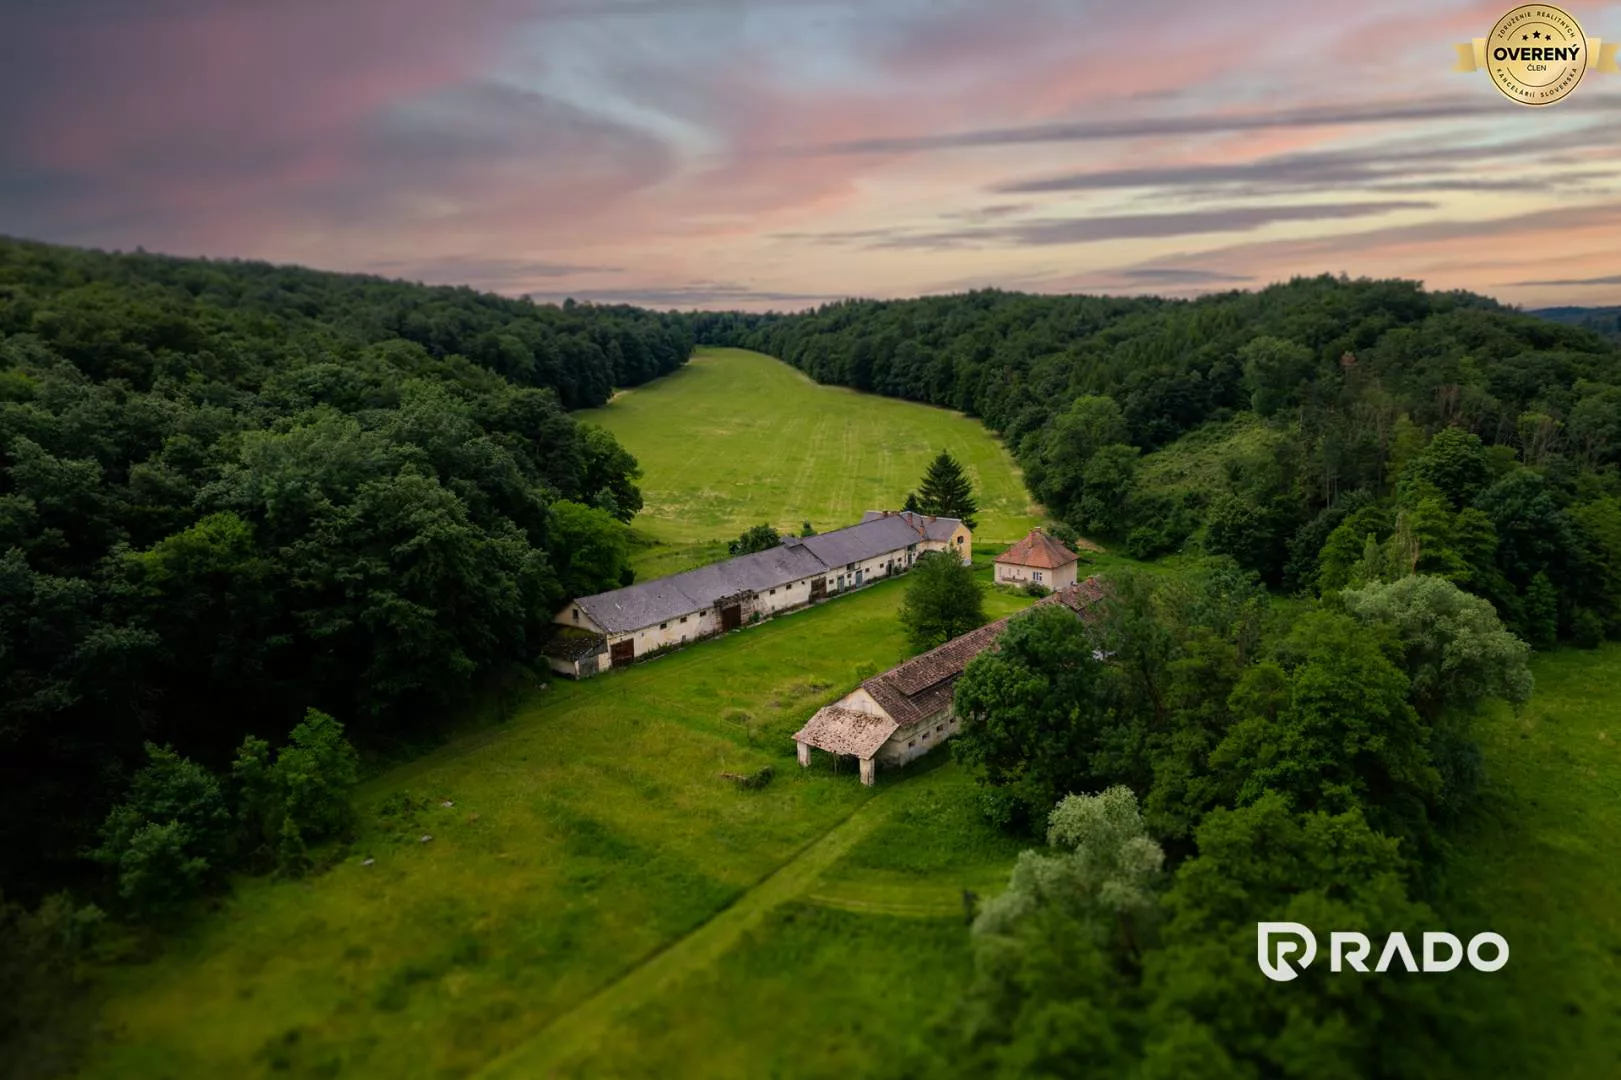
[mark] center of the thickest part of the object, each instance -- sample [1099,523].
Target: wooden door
[623,652]
[731,617]
[819,589]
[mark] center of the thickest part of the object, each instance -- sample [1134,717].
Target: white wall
[960,541]
[910,743]
[1009,574]
[706,622]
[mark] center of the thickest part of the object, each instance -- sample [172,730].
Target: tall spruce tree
[945,492]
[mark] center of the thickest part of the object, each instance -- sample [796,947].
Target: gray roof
[871,538]
[661,599]
[933,528]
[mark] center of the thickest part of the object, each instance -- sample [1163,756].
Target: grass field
[592,869]
[736,438]
[1542,866]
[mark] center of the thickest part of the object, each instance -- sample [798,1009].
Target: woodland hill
[231,493]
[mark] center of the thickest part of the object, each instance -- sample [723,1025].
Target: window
[773,592]
[576,614]
[664,625]
[959,540]
[1035,576]
[705,611]
[912,743]
[939,727]
[683,618]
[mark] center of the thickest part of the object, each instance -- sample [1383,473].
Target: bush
[1586,628]
[751,781]
[157,870]
[166,839]
[1031,588]
[315,775]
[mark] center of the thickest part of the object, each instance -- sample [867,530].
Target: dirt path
[573,1035]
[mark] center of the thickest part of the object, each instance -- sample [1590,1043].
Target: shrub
[168,836]
[315,775]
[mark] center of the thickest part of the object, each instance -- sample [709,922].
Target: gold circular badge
[1536,54]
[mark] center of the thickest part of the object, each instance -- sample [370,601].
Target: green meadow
[592,869]
[598,902]
[1541,865]
[736,438]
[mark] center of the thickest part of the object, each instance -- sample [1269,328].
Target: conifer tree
[945,492]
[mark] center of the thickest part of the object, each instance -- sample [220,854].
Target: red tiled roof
[1038,550]
[922,687]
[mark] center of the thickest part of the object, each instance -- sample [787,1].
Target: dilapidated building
[895,717]
[612,629]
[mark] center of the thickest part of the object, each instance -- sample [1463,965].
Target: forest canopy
[1312,431]
[231,492]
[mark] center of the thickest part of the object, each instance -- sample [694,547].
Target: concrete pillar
[869,771]
[804,755]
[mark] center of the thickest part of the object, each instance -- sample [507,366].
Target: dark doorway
[818,589]
[731,617]
[623,652]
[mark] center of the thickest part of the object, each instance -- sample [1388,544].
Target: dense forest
[231,492]
[1284,428]
[1431,479]
[246,506]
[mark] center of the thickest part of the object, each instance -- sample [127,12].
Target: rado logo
[1284,949]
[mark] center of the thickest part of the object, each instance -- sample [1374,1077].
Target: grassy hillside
[1542,868]
[593,859]
[736,438]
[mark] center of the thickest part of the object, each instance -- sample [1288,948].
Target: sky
[778,154]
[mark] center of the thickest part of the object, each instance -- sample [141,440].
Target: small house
[1038,559]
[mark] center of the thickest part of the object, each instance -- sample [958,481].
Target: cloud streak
[1200,124]
[1087,230]
[598,148]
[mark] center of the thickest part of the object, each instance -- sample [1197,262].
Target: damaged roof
[649,603]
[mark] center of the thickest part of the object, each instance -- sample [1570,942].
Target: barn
[614,628]
[895,717]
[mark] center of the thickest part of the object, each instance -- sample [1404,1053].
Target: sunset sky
[759,154]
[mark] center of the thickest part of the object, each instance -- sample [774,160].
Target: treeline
[1600,320]
[231,492]
[1459,436]
[1256,762]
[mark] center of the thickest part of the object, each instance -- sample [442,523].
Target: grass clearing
[586,837]
[735,438]
[1542,866]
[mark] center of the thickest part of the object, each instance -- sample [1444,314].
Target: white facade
[911,743]
[706,622]
[1015,574]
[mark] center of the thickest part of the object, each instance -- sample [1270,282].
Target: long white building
[615,628]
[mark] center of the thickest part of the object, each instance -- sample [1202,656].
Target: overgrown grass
[583,836]
[1541,865]
[813,992]
[736,438]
